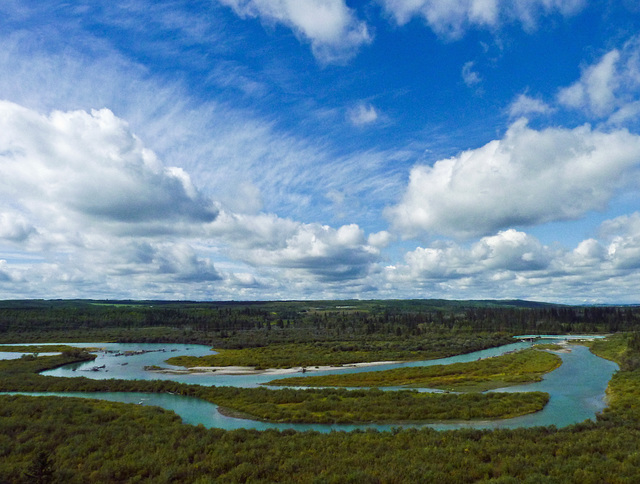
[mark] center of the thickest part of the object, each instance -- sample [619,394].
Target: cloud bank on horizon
[281,149]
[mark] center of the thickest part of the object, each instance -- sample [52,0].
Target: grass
[512,369]
[363,406]
[37,348]
[298,354]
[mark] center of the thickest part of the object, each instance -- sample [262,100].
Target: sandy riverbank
[248,370]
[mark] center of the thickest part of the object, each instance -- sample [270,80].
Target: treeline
[242,324]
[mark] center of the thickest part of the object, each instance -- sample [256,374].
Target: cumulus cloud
[4,273]
[509,250]
[380,239]
[85,194]
[182,262]
[528,177]
[609,87]
[15,228]
[331,255]
[525,105]
[330,26]
[452,18]
[514,264]
[90,164]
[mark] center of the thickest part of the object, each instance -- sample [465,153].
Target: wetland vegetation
[77,440]
[341,352]
[283,405]
[525,366]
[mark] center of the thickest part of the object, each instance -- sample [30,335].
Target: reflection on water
[576,388]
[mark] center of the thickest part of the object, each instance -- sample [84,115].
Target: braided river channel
[576,388]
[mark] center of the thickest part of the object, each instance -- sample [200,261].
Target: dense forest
[242,324]
[49,439]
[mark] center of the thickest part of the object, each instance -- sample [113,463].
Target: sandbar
[249,370]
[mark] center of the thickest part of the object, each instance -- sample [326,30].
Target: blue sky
[299,149]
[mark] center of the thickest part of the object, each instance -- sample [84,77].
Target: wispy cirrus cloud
[452,18]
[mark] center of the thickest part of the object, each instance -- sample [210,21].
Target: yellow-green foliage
[623,392]
[357,406]
[35,348]
[611,348]
[511,369]
[549,346]
[340,352]
[90,441]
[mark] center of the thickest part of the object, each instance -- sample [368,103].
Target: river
[576,388]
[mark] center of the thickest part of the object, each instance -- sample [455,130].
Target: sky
[320,149]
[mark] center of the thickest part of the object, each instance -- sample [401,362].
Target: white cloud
[362,114]
[332,28]
[92,165]
[509,250]
[380,240]
[15,227]
[469,76]
[513,264]
[452,18]
[182,262]
[610,87]
[73,174]
[83,193]
[525,105]
[595,89]
[315,250]
[4,273]
[529,177]
[623,235]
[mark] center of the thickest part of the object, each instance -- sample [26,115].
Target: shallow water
[576,388]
